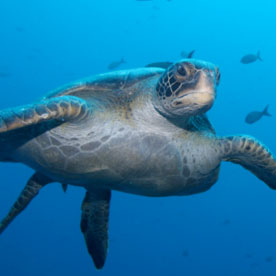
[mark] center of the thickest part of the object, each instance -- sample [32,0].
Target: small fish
[269,259]
[226,222]
[251,58]
[255,116]
[190,55]
[248,255]
[116,64]
[187,55]
[19,29]
[164,64]
[185,253]
[4,74]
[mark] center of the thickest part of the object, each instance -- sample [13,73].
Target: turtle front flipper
[61,108]
[94,224]
[32,188]
[252,155]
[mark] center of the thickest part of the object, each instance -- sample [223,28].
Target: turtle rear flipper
[63,108]
[32,188]
[252,155]
[94,224]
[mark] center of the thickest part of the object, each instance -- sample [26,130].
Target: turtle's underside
[140,131]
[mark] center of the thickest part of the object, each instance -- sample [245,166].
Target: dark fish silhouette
[255,116]
[251,58]
[185,253]
[19,29]
[4,75]
[187,55]
[269,259]
[190,55]
[164,64]
[116,64]
[248,255]
[226,222]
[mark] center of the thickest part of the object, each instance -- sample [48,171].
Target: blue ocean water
[229,230]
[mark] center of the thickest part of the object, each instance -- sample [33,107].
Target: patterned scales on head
[141,131]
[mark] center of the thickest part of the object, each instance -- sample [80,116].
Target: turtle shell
[105,83]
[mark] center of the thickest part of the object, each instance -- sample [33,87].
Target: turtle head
[187,88]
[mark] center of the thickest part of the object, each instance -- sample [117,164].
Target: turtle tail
[252,155]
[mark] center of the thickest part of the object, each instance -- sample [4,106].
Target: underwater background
[228,230]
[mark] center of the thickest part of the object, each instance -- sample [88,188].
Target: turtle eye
[181,70]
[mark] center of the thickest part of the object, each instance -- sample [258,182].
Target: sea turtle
[141,131]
